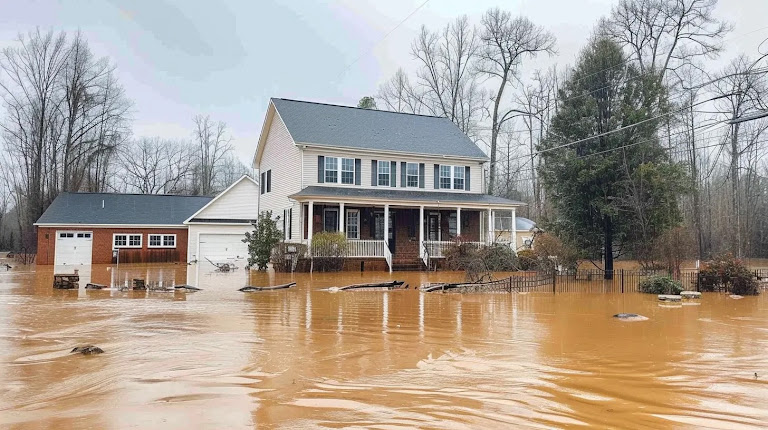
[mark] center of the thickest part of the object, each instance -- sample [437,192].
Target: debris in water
[251,288]
[186,288]
[630,317]
[91,286]
[87,350]
[736,296]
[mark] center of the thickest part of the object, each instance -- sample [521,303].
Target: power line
[368,51]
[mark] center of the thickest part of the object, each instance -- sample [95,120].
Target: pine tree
[611,183]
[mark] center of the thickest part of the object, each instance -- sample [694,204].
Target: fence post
[622,281]
[554,281]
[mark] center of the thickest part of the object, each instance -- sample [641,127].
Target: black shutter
[269,180]
[358,170]
[290,223]
[374,172]
[403,178]
[421,175]
[466,178]
[437,176]
[263,182]
[393,173]
[320,169]
[285,218]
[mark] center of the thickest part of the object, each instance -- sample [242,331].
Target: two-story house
[400,186]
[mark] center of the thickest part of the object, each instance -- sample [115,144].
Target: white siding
[284,159]
[239,202]
[237,232]
[310,169]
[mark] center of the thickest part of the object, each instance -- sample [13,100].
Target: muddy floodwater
[308,358]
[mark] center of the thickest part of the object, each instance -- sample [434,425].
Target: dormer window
[383,173]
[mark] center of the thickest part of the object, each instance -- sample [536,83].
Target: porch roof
[398,195]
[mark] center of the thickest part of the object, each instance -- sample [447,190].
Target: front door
[433,226]
[378,223]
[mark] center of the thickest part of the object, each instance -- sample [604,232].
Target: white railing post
[388,256]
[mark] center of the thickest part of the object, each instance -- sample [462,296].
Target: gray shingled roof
[139,209]
[332,125]
[396,194]
[524,224]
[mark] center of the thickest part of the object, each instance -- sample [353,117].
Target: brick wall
[102,245]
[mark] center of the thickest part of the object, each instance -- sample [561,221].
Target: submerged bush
[285,256]
[660,285]
[527,259]
[328,251]
[480,263]
[728,274]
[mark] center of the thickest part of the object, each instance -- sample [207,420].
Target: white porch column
[421,231]
[514,229]
[386,225]
[458,221]
[490,226]
[342,218]
[310,221]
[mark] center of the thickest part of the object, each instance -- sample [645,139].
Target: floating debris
[87,350]
[66,281]
[736,296]
[670,297]
[376,286]
[630,317]
[251,288]
[92,286]
[188,288]
[690,294]
[139,284]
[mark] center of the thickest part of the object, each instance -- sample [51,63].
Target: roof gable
[343,126]
[121,209]
[238,201]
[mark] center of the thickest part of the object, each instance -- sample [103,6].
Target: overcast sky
[178,58]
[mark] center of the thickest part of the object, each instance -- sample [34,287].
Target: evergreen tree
[262,240]
[611,183]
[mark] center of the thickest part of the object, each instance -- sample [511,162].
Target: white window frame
[449,177]
[356,224]
[409,176]
[380,173]
[163,237]
[458,171]
[339,170]
[127,240]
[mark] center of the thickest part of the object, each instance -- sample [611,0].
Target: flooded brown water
[307,358]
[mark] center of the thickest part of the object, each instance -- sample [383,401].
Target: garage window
[126,240]
[162,241]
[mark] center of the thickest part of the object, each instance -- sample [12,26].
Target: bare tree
[399,95]
[505,42]
[212,145]
[155,166]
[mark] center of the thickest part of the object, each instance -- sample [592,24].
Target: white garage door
[73,248]
[221,248]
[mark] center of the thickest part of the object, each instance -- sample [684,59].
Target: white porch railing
[388,257]
[365,248]
[436,248]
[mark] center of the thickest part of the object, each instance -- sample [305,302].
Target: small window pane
[169,240]
[445,177]
[134,240]
[121,240]
[383,173]
[347,170]
[331,169]
[458,177]
[154,240]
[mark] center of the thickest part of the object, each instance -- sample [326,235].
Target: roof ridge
[132,194]
[355,107]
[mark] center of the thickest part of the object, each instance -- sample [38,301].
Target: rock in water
[630,317]
[87,350]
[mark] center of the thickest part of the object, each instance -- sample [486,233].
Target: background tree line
[641,141]
[66,126]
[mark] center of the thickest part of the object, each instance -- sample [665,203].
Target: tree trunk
[608,247]
[735,209]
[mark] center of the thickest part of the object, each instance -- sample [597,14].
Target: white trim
[242,178]
[128,240]
[162,240]
[390,152]
[136,226]
[346,221]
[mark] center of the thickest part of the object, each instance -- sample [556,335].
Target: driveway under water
[308,358]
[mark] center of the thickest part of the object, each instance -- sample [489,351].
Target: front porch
[415,235]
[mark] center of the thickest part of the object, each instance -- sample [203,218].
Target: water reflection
[306,357]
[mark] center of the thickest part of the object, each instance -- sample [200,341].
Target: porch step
[408,264]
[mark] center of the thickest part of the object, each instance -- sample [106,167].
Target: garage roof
[121,209]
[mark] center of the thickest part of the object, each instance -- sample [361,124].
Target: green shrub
[527,259]
[260,243]
[328,251]
[728,274]
[660,285]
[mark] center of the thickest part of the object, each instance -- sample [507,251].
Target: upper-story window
[383,173]
[331,169]
[458,177]
[266,181]
[445,176]
[412,175]
[451,177]
[339,170]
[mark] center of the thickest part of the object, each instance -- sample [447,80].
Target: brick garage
[102,245]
